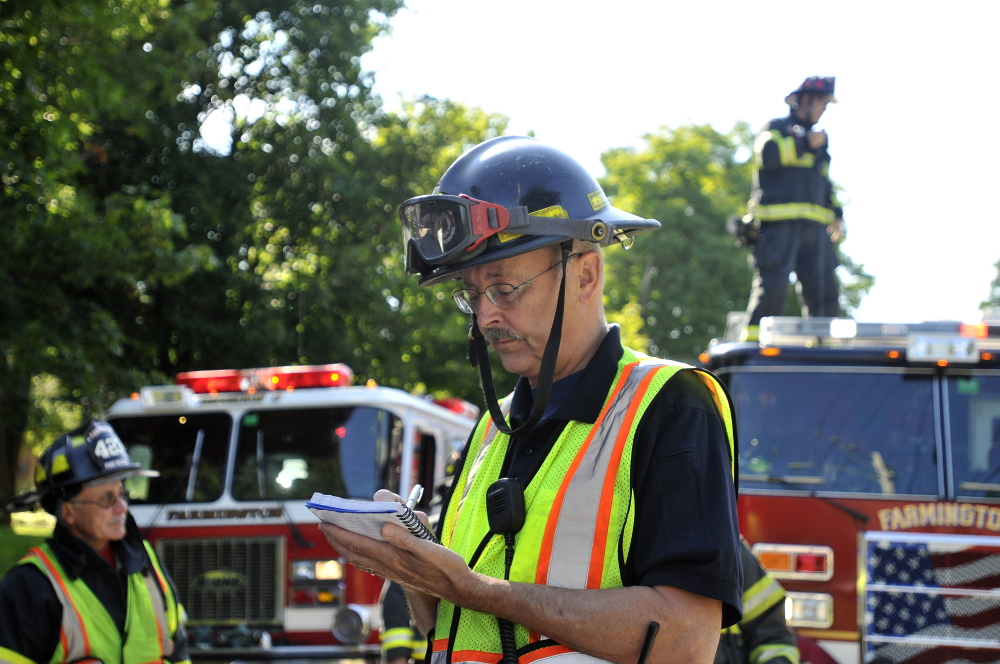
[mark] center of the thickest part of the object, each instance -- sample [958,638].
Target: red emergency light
[212,382]
[290,378]
[974,330]
[460,406]
[268,378]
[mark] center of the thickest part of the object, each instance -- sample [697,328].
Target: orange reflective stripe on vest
[72,633]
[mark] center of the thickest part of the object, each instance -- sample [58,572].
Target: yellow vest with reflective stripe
[580,512]
[89,632]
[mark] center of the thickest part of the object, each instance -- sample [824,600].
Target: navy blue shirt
[686,533]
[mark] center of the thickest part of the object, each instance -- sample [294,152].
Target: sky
[913,138]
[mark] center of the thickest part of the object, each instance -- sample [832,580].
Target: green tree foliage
[80,243]
[994,298]
[429,336]
[208,185]
[136,250]
[681,280]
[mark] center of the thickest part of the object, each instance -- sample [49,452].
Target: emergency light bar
[941,342]
[460,406]
[267,378]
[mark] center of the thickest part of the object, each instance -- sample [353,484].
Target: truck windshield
[290,454]
[836,430]
[188,450]
[974,425]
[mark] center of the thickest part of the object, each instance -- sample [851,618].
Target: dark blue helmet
[518,171]
[816,85]
[90,454]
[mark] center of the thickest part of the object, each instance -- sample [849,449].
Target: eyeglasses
[503,296]
[106,501]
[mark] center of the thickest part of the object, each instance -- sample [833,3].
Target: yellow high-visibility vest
[580,512]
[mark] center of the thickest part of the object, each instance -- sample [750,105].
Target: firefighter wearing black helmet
[95,590]
[595,500]
[795,210]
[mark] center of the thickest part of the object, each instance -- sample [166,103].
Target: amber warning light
[267,378]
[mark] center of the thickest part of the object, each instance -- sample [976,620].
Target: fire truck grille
[226,581]
[931,598]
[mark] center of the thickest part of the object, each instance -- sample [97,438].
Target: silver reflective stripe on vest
[573,541]
[572,658]
[160,610]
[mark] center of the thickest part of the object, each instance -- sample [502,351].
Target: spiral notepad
[366,517]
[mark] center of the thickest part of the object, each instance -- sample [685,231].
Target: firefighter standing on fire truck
[95,590]
[795,209]
[637,528]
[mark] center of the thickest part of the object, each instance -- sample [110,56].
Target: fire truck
[869,481]
[239,453]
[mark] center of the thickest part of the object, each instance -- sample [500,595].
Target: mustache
[492,334]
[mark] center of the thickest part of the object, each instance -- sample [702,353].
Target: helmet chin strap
[479,357]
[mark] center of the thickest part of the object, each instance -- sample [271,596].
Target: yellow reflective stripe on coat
[768,651]
[406,638]
[786,150]
[760,597]
[786,211]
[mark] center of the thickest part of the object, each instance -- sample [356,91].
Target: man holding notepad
[593,516]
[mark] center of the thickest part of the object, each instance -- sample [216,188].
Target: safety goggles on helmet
[443,228]
[447,229]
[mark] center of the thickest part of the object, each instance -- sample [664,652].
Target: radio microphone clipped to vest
[505,512]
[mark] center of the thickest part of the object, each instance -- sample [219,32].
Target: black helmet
[817,85]
[544,195]
[90,454]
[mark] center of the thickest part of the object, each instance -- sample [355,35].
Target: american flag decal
[931,599]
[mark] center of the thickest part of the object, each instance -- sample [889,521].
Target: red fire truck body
[869,478]
[239,453]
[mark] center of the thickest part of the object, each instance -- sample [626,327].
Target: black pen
[647,645]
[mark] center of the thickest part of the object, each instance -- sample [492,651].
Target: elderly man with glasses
[95,590]
[593,515]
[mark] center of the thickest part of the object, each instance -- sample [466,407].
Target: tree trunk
[15,399]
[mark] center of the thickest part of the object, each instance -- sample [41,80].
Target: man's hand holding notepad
[366,517]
